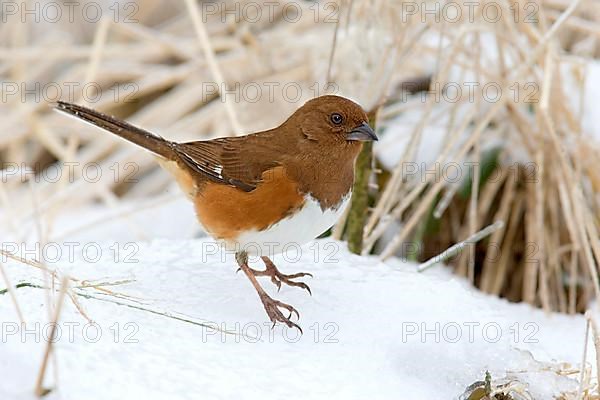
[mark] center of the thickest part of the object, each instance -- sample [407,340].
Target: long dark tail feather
[147,140]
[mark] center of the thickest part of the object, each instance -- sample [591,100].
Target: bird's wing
[237,161]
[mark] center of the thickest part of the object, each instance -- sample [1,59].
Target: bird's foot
[277,277]
[272,307]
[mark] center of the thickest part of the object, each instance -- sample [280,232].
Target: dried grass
[549,248]
[548,253]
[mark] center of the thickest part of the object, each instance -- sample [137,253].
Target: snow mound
[371,330]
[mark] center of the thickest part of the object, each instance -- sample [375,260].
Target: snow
[364,330]
[584,75]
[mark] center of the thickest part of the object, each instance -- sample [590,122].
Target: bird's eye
[337,118]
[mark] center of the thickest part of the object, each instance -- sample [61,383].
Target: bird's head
[333,119]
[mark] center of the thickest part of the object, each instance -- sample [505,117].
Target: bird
[284,185]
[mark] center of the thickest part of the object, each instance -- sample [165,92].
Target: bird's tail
[147,140]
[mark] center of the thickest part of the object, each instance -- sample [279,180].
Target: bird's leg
[271,305]
[277,277]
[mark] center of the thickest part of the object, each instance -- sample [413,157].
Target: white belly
[292,232]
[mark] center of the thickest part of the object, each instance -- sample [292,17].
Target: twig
[333,46]
[40,390]
[592,323]
[360,193]
[212,62]
[161,313]
[453,250]
[583,359]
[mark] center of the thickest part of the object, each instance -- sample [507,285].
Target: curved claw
[277,278]
[275,315]
[291,324]
[276,282]
[291,309]
[300,285]
[300,329]
[305,286]
[297,313]
[299,275]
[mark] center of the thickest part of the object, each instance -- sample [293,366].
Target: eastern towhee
[259,192]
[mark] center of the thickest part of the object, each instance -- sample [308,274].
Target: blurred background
[487,113]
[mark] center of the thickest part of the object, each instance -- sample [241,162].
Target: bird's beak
[362,133]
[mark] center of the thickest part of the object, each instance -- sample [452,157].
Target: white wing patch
[218,170]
